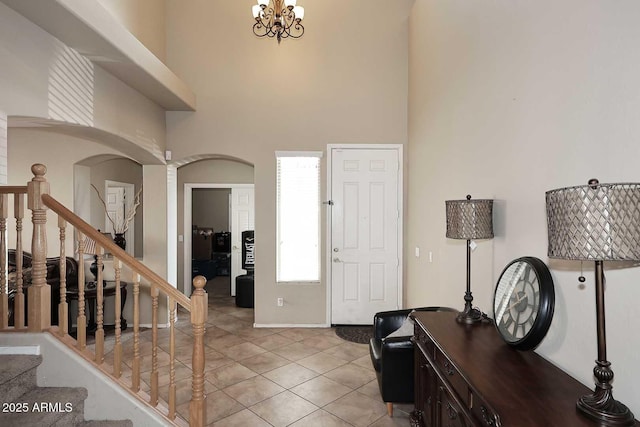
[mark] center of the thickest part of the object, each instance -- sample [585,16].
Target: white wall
[508,100]
[342,82]
[43,78]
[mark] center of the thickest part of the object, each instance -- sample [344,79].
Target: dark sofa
[53,279]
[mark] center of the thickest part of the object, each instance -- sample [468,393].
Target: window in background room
[298,216]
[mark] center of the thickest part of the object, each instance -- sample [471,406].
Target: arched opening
[210,220]
[107,194]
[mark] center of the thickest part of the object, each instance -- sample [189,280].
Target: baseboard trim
[291,325]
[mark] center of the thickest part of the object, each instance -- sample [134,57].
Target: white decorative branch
[123,226]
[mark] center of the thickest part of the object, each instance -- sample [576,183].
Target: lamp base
[601,406]
[469,316]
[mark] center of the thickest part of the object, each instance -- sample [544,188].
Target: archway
[206,172]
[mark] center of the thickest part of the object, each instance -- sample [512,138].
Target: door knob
[336,250]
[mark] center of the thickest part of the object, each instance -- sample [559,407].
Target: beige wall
[211,208]
[145,19]
[508,100]
[339,83]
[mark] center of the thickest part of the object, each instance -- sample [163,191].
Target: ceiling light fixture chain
[278,18]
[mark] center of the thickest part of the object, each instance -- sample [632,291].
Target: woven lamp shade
[595,222]
[469,219]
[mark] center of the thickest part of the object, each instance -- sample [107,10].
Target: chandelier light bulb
[263,3]
[290,3]
[256,9]
[299,12]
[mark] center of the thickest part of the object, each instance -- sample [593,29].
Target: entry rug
[356,334]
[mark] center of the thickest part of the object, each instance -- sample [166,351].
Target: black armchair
[393,357]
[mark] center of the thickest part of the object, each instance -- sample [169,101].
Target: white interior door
[118,200]
[242,219]
[115,207]
[365,233]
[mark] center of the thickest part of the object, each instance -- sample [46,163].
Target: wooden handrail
[13,189]
[116,251]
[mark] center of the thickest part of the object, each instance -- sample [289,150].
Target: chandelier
[278,18]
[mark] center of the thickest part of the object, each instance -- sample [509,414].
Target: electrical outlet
[280,302]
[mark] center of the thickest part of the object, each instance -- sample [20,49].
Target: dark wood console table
[465,375]
[90,295]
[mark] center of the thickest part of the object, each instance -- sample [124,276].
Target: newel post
[199,304]
[39,293]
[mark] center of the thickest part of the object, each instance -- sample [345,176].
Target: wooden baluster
[135,374]
[81,322]
[99,308]
[18,301]
[117,349]
[4,291]
[63,308]
[154,345]
[198,404]
[39,293]
[172,356]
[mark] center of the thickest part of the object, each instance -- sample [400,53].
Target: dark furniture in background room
[392,357]
[245,282]
[222,253]
[468,376]
[53,279]
[202,262]
[202,243]
[222,242]
[204,268]
[221,264]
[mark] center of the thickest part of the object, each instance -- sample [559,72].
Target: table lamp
[469,219]
[597,222]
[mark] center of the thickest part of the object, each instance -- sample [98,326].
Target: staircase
[154,302]
[23,403]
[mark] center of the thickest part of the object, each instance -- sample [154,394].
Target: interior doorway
[240,209]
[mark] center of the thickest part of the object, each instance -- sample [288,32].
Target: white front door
[365,233]
[242,219]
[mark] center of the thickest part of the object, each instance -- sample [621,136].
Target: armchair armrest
[386,322]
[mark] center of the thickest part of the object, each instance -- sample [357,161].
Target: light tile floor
[302,377]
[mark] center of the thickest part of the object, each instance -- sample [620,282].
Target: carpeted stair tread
[17,375]
[48,406]
[12,365]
